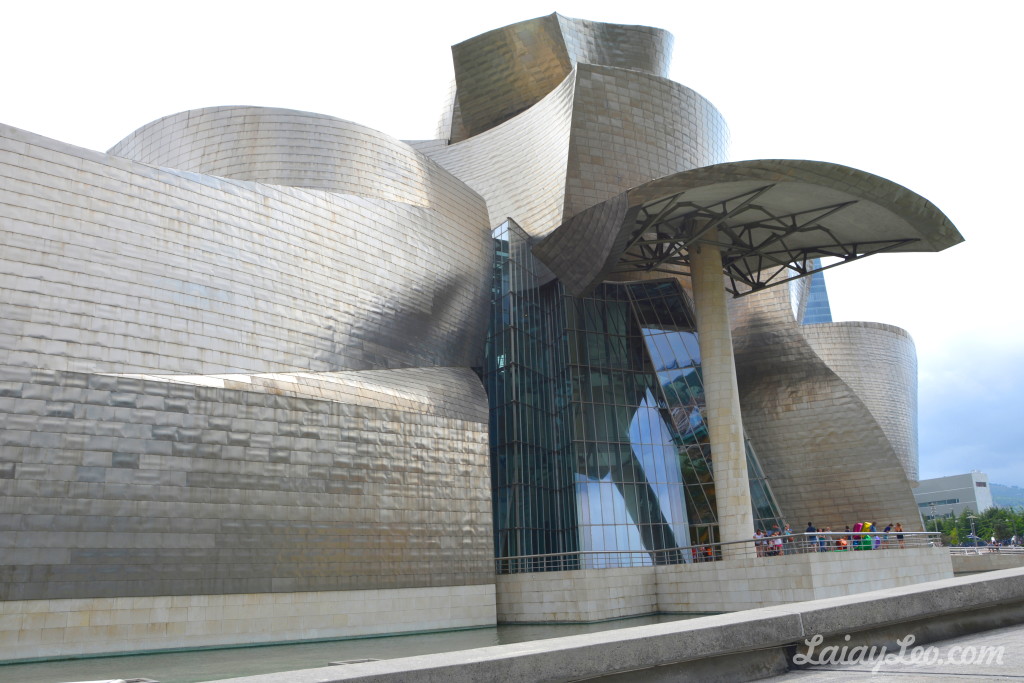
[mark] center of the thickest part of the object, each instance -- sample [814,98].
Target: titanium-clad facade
[235,358]
[241,353]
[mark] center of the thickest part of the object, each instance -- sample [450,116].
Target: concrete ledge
[987,562]
[682,650]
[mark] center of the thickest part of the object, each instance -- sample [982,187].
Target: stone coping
[641,647]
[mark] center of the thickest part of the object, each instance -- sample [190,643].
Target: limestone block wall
[198,394]
[53,628]
[986,562]
[110,265]
[724,586]
[576,596]
[765,581]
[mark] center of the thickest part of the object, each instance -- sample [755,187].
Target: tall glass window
[599,435]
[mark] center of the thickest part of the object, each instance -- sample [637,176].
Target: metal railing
[767,547]
[987,550]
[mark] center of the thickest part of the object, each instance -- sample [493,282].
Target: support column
[725,423]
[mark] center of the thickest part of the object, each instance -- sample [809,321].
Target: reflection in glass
[599,435]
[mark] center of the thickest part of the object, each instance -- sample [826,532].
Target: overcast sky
[926,94]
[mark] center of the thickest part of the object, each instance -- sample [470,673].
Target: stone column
[725,424]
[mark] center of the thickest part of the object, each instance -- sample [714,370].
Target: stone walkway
[989,656]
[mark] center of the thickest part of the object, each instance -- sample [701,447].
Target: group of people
[863,536]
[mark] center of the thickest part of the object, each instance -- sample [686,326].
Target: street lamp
[974,536]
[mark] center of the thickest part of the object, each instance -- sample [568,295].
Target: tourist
[759,543]
[812,540]
[899,534]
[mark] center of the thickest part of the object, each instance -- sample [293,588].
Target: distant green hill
[1007,496]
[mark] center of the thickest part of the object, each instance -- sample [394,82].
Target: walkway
[957,659]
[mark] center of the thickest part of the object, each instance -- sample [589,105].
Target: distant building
[949,496]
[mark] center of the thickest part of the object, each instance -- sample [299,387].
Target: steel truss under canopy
[771,219]
[760,247]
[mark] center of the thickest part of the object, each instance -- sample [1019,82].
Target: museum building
[268,375]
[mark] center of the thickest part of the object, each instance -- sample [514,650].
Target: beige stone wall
[724,586]
[576,596]
[762,582]
[986,562]
[54,628]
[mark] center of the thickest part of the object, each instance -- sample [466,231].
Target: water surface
[207,665]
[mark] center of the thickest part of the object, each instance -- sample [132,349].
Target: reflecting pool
[206,665]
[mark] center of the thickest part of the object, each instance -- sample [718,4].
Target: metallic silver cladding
[504,72]
[110,265]
[124,486]
[600,132]
[622,46]
[834,450]
[298,149]
[519,167]
[880,364]
[630,128]
[189,478]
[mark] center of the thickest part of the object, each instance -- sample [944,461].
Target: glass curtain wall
[598,423]
[532,489]
[818,309]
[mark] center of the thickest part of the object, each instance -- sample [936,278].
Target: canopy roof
[770,218]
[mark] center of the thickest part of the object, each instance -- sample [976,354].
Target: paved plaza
[996,655]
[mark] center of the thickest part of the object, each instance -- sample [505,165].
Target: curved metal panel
[297,149]
[828,456]
[519,167]
[622,46]
[879,363]
[630,127]
[504,72]
[140,269]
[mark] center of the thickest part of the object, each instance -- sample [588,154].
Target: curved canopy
[770,218]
